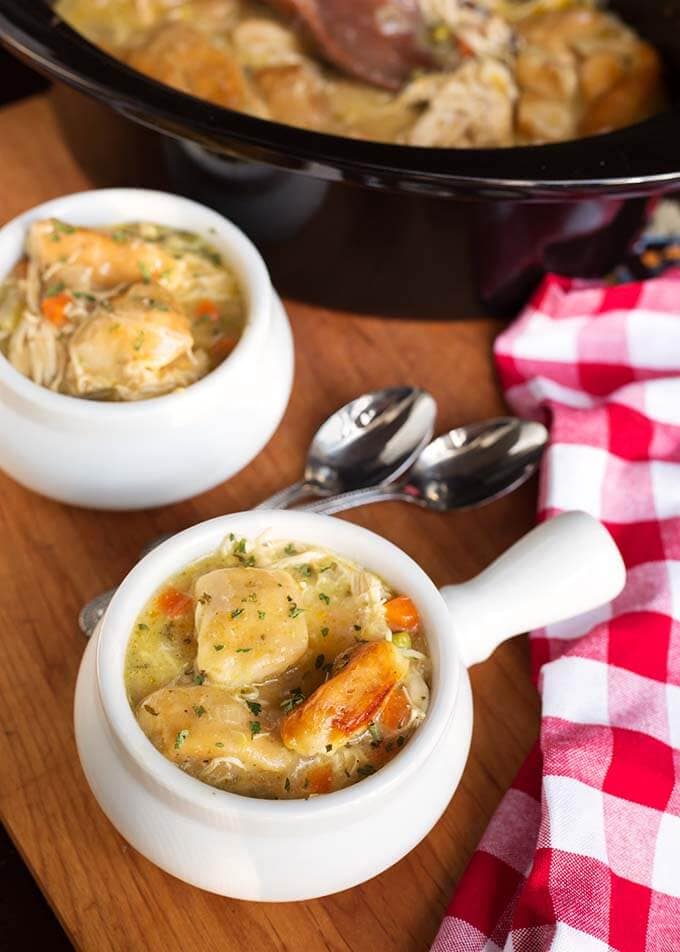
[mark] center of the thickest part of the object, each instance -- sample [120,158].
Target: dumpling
[88,260]
[141,346]
[347,703]
[184,57]
[249,625]
[203,722]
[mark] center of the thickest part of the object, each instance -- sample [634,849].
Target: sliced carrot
[321,779]
[174,602]
[465,49]
[222,347]
[54,308]
[397,710]
[208,308]
[401,614]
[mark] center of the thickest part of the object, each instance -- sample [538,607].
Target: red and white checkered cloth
[583,854]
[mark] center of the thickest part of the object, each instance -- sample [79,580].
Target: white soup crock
[161,450]
[279,850]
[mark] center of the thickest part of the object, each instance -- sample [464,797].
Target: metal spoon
[369,442]
[466,467]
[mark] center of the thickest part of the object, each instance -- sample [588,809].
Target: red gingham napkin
[583,854]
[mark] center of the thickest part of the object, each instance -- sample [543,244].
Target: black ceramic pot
[387,228]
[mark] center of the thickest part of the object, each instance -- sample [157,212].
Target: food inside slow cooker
[448,73]
[121,313]
[278,670]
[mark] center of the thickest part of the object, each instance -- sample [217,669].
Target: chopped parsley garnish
[147,707]
[294,611]
[142,627]
[237,612]
[252,597]
[199,678]
[329,748]
[294,698]
[139,340]
[240,547]
[62,226]
[365,770]
[180,738]
[374,731]
[331,565]
[255,728]
[357,627]
[144,271]
[205,598]
[254,707]
[199,710]
[319,662]
[261,615]
[218,743]
[290,549]
[324,598]
[324,632]
[54,289]
[85,296]
[305,570]
[243,650]
[218,647]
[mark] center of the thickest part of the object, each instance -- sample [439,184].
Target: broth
[278,670]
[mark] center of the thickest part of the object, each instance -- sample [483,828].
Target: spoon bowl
[371,441]
[468,466]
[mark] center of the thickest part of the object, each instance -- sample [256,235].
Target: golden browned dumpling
[347,703]
[91,260]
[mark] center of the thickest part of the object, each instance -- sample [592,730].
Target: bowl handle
[562,568]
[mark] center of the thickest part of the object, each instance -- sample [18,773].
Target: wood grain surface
[53,558]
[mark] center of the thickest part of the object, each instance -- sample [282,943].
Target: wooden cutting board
[53,558]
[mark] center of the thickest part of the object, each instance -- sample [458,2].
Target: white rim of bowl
[201,540]
[234,246]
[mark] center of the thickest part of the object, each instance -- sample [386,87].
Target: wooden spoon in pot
[380,41]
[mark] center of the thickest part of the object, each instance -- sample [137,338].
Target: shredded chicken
[124,313]
[473,107]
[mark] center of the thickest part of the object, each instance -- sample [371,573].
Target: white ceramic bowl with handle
[243,847]
[156,451]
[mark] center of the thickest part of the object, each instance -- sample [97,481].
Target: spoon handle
[286,497]
[358,497]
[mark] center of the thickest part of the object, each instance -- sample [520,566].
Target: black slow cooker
[419,221]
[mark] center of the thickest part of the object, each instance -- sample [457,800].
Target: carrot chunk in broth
[321,779]
[174,603]
[54,308]
[401,614]
[397,710]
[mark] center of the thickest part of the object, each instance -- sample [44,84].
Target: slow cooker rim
[578,168]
